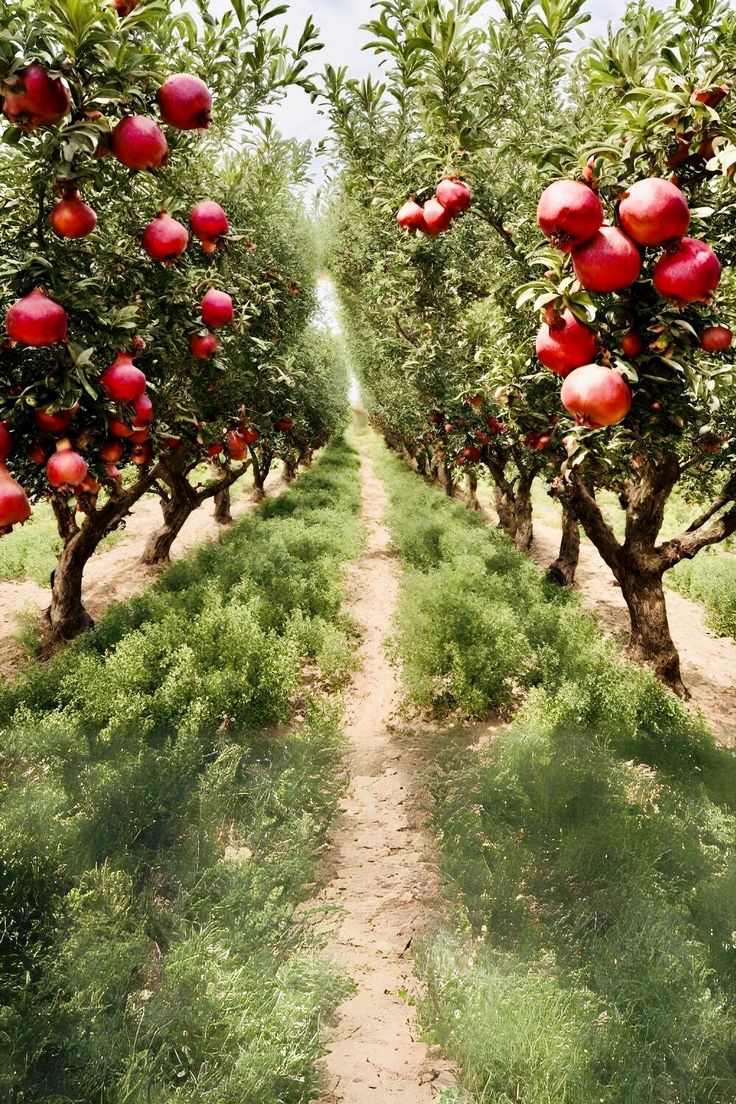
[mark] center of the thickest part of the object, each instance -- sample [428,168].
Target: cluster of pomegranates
[452,198]
[652,214]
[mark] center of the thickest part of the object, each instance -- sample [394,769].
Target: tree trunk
[562,571]
[524,534]
[445,477]
[223,514]
[176,511]
[651,640]
[504,502]
[290,470]
[472,481]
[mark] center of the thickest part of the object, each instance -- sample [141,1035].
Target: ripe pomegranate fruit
[454,195]
[173,443]
[165,239]
[653,212]
[31,98]
[111,451]
[66,468]
[209,224]
[36,453]
[14,505]
[472,454]
[142,454]
[57,422]
[566,344]
[436,218]
[217,309]
[496,427]
[118,428]
[569,213]
[71,217]
[203,346]
[237,445]
[122,380]
[139,435]
[124,7]
[632,344]
[284,425]
[36,320]
[609,261]
[143,408]
[411,216]
[139,143]
[596,396]
[711,96]
[6,442]
[249,435]
[185,102]
[435,417]
[714,339]
[216,449]
[538,441]
[690,274]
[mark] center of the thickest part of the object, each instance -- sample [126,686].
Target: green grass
[589,848]
[31,550]
[161,814]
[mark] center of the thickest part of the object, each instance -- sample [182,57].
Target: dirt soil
[708,661]
[113,574]
[380,865]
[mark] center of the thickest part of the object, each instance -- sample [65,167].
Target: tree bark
[290,469]
[223,513]
[261,468]
[651,640]
[562,571]
[445,477]
[472,481]
[514,504]
[523,509]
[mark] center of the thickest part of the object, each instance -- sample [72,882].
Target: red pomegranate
[654,212]
[237,445]
[714,339]
[209,223]
[711,96]
[6,442]
[569,213]
[139,143]
[690,274]
[66,468]
[111,451]
[139,435]
[411,216]
[454,195]
[436,218]
[217,309]
[472,454]
[57,422]
[112,471]
[143,408]
[36,320]
[495,426]
[142,454]
[165,239]
[284,425]
[250,435]
[71,217]
[596,396]
[566,344]
[31,98]
[124,7]
[185,102]
[173,443]
[216,449]
[36,453]
[118,428]
[14,505]
[122,381]
[203,346]
[632,344]
[609,261]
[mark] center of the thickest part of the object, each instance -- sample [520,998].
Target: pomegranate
[143,408]
[284,425]
[654,212]
[185,102]
[203,346]
[36,320]
[209,223]
[609,261]
[538,441]
[217,309]
[71,217]
[472,454]
[142,454]
[714,339]
[139,143]
[124,7]
[139,435]
[55,423]
[711,96]
[411,216]
[216,449]
[569,213]
[596,396]
[690,274]
[32,98]
[566,344]
[164,238]
[6,442]
[14,505]
[111,451]
[436,218]
[112,471]
[632,344]
[118,428]
[436,417]
[454,195]
[237,445]
[66,468]
[173,443]
[249,435]
[122,380]
[496,427]
[36,453]
[476,401]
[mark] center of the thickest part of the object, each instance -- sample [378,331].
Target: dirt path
[114,574]
[708,661]
[380,865]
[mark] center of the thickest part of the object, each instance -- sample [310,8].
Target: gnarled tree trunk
[444,474]
[261,468]
[562,571]
[223,507]
[472,482]
[290,469]
[513,500]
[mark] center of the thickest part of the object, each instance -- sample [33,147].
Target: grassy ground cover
[589,847]
[165,786]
